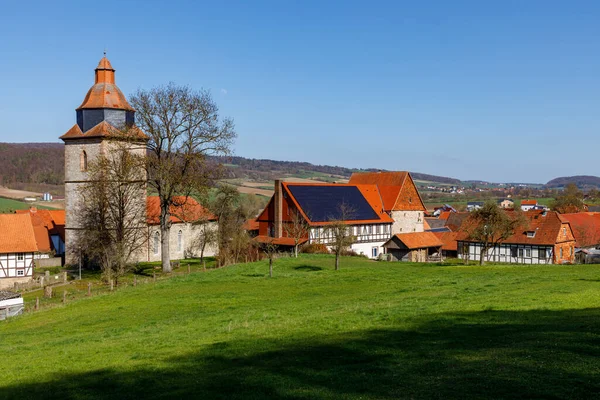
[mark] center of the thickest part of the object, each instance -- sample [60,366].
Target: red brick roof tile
[418,240]
[187,209]
[585,227]
[17,234]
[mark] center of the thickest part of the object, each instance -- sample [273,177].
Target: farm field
[10,205]
[373,330]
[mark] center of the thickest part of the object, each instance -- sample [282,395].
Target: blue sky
[499,91]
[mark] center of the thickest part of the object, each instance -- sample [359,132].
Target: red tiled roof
[282,241]
[528,202]
[251,225]
[448,239]
[444,215]
[418,240]
[585,227]
[46,223]
[187,209]
[104,129]
[546,227]
[397,189]
[17,234]
[105,93]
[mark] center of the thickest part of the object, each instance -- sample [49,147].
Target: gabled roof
[46,223]
[397,189]
[528,202]
[448,239]
[585,227]
[251,225]
[546,226]
[456,219]
[187,209]
[17,234]
[310,197]
[417,240]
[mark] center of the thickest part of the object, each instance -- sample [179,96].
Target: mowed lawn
[372,330]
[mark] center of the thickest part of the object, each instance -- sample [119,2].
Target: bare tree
[491,225]
[184,128]
[114,209]
[207,235]
[569,201]
[297,228]
[271,250]
[339,232]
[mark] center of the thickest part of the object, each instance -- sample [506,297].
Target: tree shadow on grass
[490,354]
[308,268]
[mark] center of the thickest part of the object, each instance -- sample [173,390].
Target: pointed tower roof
[105,93]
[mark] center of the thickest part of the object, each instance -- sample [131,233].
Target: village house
[18,248]
[49,231]
[381,204]
[414,247]
[474,205]
[507,204]
[527,205]
[546,239]
[586,230]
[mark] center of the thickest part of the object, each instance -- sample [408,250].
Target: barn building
[378,205]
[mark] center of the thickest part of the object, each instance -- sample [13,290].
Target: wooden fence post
[189,269]
[89,289]
[37,303]
[135,280]
[64,297]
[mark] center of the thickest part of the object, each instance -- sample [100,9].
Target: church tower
[101,118]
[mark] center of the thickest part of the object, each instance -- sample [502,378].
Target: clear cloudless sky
[496,90]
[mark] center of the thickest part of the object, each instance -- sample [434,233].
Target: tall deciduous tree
[491,225]
[184,127]
[339,232]
[113,215]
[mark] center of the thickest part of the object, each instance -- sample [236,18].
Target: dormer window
[530,234]
[83,161]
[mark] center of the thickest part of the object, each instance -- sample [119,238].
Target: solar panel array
[324,203]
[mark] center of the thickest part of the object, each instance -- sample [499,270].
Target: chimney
[278,210]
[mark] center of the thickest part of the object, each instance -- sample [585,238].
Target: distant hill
[40,167]
[262,169]
[582,181]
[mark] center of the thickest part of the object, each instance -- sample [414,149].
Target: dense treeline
[39,163]
[582,181]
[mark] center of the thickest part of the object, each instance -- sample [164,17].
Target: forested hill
[582,181]
[43,163]
[251,168]
[39,163]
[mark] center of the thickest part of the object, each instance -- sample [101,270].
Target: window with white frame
[20,272]
[527,253]
[20,256]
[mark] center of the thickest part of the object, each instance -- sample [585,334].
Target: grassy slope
[371,330]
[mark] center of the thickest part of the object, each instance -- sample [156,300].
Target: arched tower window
[180,241]
[83,162]
[156,243]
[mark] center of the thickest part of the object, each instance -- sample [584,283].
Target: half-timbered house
[545,239]
[18,247]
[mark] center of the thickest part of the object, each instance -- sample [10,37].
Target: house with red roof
[49,231]
[379,205]
[544,239]
[527,205]
[18,247]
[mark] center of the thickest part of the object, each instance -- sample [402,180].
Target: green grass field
[10,205]
[372,330]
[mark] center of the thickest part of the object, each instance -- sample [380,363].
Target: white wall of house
[16,265]
[407,221]
[182,242]
[527,207]
[369,238]
[521,254]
